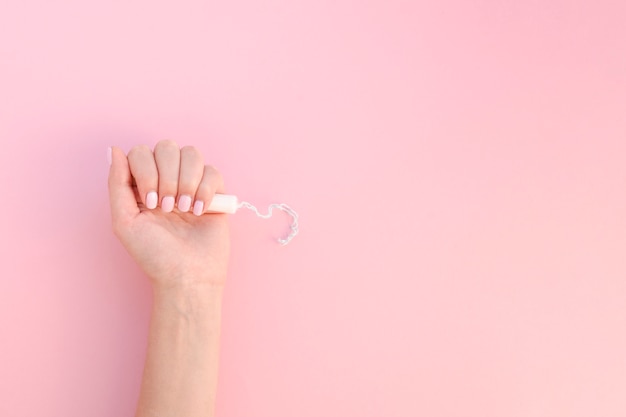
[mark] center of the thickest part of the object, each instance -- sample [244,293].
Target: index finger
[121,195]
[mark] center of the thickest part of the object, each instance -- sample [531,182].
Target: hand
[157,200]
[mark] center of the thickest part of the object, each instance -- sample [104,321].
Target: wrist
[188,298]
[187,279]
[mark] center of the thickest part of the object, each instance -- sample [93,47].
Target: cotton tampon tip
[223,203]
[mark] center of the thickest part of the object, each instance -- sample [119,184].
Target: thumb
[121,195]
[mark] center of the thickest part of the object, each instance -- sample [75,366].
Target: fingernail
[110,155]
[198,208]
[152,199]
[184,203]
[167,204]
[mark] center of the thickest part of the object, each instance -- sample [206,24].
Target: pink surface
[458,167]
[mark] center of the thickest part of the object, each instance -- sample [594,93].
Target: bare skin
[184,252]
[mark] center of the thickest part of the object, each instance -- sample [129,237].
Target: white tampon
[223,203]
[226,203]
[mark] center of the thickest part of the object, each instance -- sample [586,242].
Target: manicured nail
[167,204]
[152,199]
[110,155]
[198,208]
[184,203]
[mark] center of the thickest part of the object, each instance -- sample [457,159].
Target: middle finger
[167,157]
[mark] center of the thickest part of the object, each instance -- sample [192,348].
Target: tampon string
[225,203]
[283,207]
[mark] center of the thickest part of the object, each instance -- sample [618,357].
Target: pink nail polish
[167,205]
[110,155]
[184,203]
[198,208]
[151,200]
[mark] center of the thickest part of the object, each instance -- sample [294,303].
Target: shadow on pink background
[458,168]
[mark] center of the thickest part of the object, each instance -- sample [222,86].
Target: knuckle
[166,144]
[212,170]
[137,149]
[190,151]
[216,176]
[204,190]
[187,184]
[167,186]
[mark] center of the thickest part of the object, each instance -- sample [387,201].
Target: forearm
[180,374]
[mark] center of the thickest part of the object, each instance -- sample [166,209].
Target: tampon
[226,203]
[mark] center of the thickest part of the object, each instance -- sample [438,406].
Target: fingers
[167,157]
[172,175]
[121,195]
[191,171]
[143,167]
[211,183]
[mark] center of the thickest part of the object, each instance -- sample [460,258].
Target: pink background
[458,167]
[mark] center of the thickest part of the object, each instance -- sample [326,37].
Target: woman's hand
[157,200]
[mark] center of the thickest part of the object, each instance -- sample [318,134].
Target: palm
[174,246]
